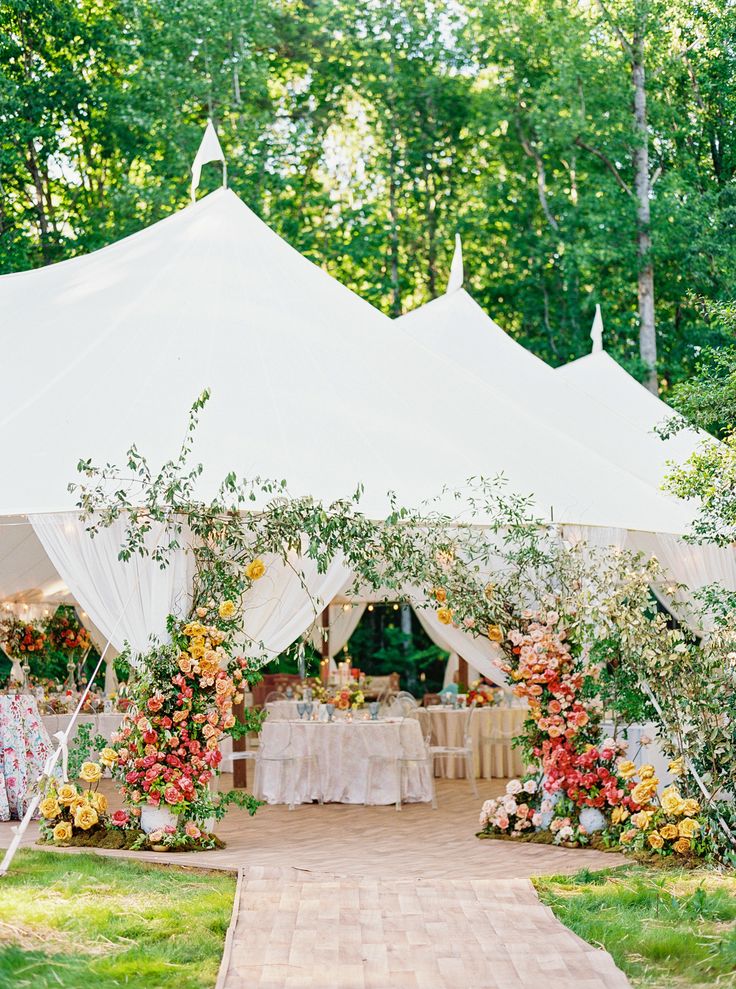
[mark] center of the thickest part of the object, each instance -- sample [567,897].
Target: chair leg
[470,772]
[398,785]
[432,787]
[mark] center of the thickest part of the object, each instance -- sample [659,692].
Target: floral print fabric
[25,747]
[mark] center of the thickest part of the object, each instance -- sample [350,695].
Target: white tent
[308,381]
[602,380]
[604,409]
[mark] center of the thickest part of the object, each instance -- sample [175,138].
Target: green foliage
[367,134]
[77,919]
[618,686]
[85,747]
[671,928]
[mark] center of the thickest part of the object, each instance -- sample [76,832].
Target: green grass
[85,920]
[666,929]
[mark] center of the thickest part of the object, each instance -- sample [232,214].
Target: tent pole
[325,664]
[462,671]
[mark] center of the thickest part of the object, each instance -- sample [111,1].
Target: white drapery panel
[451,668]
[283,604]
[343,620]
[127,601]
[481,654]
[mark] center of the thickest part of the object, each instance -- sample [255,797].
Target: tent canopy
[308,382]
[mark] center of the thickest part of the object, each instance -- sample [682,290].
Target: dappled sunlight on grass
[66,920]
[674,928]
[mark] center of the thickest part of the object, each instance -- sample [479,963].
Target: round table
[342,751]
[491,730]
[24,748]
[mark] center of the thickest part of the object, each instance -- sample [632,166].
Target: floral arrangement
[67,809]
[346,698]
[21,638]
[483,694]
[666,824]
[66,633]
[167,749]
[516,811]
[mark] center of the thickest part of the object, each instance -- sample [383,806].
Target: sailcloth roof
[456,327]
[308,381]
[601,378]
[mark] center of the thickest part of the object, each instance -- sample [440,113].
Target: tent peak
[596,331]
[210,149]
[455,281]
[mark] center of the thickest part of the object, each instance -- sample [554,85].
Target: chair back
[275,695]
[467,725]
[275,740]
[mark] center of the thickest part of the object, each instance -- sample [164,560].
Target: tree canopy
[368,133]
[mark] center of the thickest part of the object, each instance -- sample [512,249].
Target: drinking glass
[373,708]
[330,711]
[309,707]
[301,707]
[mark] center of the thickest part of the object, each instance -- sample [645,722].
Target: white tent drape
[343,620]
[282,605]
[481,654]
[127,601]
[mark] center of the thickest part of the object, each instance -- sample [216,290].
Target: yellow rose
[79,801]
[655,840]
[63,831]
[646,772]
[226,609]
[672,802]
[682,846]
[440,594]
[49,807]
[690,807]
[489,590]
[688,828]
[90,772]
[255,570]
[108,757]
[669,831]
[444,615]
[677,766]
[642,819]
[642,793]
[627,769]
[494,633]
[67,793]
[196,651]
[619,815]
[99,802]
[85,818]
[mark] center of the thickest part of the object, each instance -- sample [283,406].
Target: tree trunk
[642,188]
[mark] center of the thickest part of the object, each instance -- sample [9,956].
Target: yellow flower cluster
[255,569]
[680,833]
[69,808]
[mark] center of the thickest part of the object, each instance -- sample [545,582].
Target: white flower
[513,787]
[547,806]
[530,786]
[609,743]
[537,820]
[510,805]
[645,740]
[565,833]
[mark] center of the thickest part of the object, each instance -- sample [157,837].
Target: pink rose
[172,795]
[120,818]
[191,830]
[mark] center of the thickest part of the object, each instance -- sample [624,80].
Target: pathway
[309,931]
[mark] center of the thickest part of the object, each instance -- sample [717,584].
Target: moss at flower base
[597,843]
[132,839]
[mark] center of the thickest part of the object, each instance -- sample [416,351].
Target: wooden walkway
[297,930]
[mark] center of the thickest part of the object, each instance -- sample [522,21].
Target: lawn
[85,920]
[666,929]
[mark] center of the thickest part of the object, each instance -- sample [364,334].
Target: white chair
[403,704]
[401,761]
[490,740]
[277,749]
[464,751]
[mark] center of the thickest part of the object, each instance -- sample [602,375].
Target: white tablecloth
[24,747]
[283,710]
[492,730]
[103,724]
[342,750]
